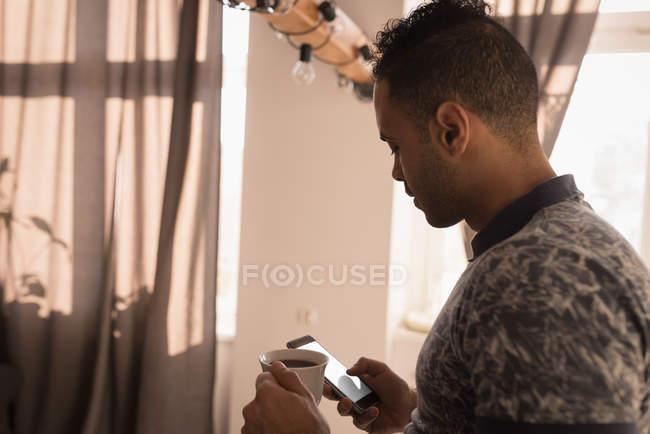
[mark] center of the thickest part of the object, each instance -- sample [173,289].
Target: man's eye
[394,150]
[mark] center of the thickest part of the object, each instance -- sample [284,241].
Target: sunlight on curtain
[83,85]
[36,228]
[233,119]
[185,330]
[37,46]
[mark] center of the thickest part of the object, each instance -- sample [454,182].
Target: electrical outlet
[306,316]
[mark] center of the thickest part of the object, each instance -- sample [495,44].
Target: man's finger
[366,418]
[359,425]
[251,418]
[344,407]
[367,366]
[246,410]
[328,392]
[289,380]
[264,376]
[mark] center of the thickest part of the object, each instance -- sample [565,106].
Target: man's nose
[397,169]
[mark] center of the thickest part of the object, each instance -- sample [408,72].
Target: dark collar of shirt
[515,215]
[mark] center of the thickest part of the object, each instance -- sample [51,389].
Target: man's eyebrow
[385,138]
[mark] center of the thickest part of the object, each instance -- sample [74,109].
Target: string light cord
[327,14]
[322,19]
[318,47]
[302,32]
[314,48]
[328,62]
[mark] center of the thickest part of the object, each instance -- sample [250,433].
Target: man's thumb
[367,366]
[289,379]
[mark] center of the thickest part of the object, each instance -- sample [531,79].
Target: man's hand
[282,405]
[397,400]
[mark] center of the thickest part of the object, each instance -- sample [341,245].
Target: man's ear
[451,128]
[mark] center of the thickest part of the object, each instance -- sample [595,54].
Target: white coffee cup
[313,376]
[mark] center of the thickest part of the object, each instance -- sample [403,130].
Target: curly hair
[454,50]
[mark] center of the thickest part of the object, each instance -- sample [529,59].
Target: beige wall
[316,190]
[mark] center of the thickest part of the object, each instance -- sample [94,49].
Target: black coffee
[297,363]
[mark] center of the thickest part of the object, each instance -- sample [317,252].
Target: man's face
[427,174]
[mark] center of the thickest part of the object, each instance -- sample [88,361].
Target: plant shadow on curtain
[109,176]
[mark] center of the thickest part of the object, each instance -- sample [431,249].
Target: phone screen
[352,387]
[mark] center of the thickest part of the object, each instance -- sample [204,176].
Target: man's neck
[505,185]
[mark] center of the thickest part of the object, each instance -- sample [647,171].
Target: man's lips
[408,192]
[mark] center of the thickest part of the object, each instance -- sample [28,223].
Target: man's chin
[438,221]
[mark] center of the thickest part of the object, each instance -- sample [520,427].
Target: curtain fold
[556,34]
[108,110]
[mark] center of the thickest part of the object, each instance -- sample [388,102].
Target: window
[606,132]
[604,138]
[233,115]
[608,6]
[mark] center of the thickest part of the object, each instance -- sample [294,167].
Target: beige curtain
[109,175]
[556,34]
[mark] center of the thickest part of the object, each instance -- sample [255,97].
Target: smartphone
[343,385]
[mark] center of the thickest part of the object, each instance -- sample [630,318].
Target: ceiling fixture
[345,84]
[261,6]
[303,72]
[328,11]
[318,29]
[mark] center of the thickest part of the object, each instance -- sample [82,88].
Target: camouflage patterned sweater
[549,324]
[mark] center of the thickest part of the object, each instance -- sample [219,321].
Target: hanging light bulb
[344,83]
[303,73]
[264,5]
[334,24]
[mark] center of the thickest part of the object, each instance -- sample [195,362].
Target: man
[547,329]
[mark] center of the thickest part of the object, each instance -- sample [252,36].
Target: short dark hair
[453,50]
